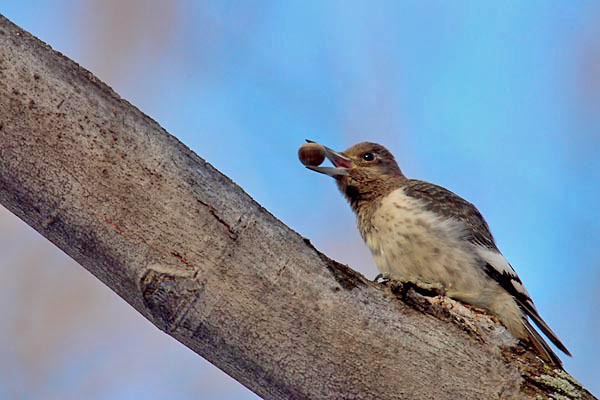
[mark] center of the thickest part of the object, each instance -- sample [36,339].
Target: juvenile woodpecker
[423,233]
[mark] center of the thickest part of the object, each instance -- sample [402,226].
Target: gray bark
[206,264]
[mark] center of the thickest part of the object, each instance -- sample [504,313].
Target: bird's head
[364,172]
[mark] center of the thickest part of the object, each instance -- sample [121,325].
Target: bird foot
[382,277]
[419,286]
[427,288]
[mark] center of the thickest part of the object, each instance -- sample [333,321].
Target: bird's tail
[535,317]
[541,346]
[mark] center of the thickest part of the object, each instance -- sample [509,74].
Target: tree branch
[199,258]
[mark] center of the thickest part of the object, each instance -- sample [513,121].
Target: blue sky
[499,102]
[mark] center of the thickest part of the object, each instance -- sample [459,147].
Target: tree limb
[206,264]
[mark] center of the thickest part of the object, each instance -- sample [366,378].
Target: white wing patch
[520,288]
[499,263]
[496,260]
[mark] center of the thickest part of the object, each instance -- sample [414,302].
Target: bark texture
[206,264]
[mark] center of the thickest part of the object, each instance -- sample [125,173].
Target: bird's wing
[443,202]
[448,204]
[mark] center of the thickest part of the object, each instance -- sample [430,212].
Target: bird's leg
[423,287]
[427,288]
[419,286]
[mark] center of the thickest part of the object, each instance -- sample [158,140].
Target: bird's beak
[340,162]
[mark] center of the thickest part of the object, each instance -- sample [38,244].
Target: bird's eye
[368,157]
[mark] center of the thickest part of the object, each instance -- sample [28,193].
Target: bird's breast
[411,242]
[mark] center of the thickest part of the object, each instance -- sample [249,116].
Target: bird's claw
[419,286]
[423,287]
[382,277]
[426,288]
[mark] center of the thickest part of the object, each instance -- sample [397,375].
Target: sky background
[497,101]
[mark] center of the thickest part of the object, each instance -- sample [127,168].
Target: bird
[422,233]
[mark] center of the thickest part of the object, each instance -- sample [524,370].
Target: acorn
[311,154]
